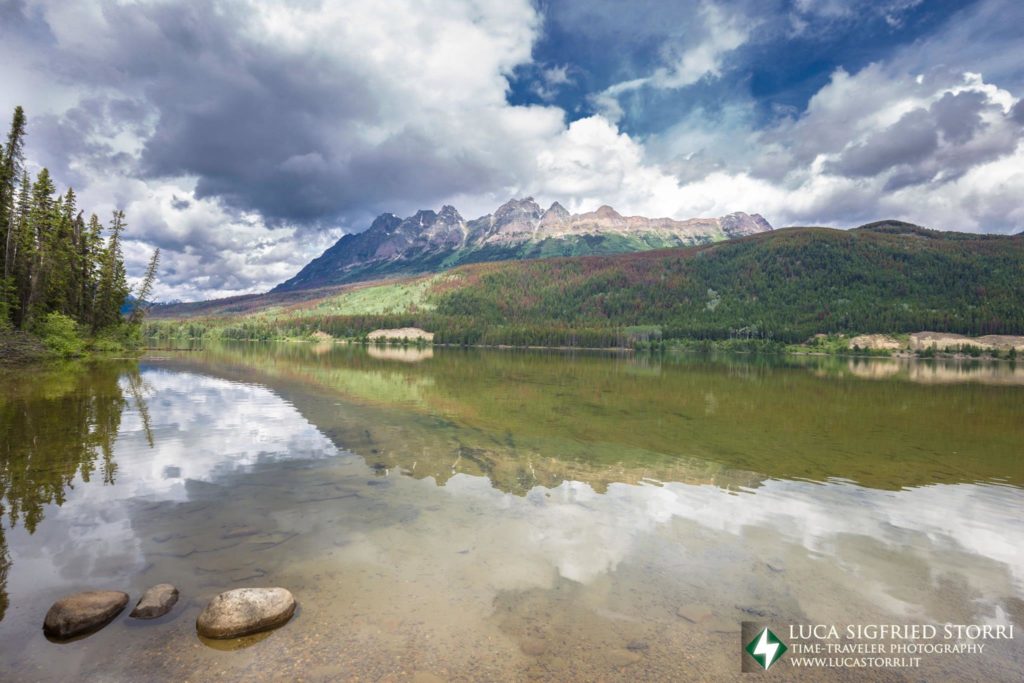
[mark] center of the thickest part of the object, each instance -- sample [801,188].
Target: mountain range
[783,285]
[518,229]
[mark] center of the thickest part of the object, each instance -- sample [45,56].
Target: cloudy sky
[245,136]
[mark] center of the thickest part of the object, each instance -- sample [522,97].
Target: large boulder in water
[243,611]
[156,602]
[83,612]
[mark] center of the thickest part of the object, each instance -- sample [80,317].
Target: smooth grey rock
[243,611]
[80,613]
[156,602]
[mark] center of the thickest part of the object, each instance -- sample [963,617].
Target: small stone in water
[82,612]
[156,602]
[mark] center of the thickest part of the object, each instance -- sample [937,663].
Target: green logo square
[766,648]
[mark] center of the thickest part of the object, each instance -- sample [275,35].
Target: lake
[446,514]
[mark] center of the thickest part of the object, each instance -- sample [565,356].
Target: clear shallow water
[501,515]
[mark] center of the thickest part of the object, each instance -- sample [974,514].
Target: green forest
[779,287]
[785,286]
[63,276]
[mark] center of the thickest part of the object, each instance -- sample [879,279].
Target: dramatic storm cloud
[243,137]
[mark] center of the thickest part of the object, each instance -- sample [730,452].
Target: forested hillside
[61,275]
[785,285]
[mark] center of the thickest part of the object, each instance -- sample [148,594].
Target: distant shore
[966,348]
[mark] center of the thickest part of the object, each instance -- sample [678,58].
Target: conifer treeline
[51,258]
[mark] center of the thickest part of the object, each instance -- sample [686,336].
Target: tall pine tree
[145,289]
[12,161]
[42,216]
[113,285]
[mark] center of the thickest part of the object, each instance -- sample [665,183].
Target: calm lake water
[472,515]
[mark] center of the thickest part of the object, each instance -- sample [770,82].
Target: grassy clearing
[395,297]
[313,318]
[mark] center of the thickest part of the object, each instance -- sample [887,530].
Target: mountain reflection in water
[444,517]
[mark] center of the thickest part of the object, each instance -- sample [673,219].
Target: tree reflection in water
[57,427]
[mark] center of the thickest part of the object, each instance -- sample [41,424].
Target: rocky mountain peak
[517,215]
[556,212]
[518,207]
[449,214]
[605,211]
[424,217]
[604,215]
[738,224]
[385,222]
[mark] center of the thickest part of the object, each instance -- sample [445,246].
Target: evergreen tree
[73,282]
[11,167]
[12,159]
[42,216]
[91,251]
[19,242]
[60,273]
[113,285]
[139,309]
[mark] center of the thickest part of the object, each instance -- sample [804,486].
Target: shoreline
[23,349]
[684,346]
